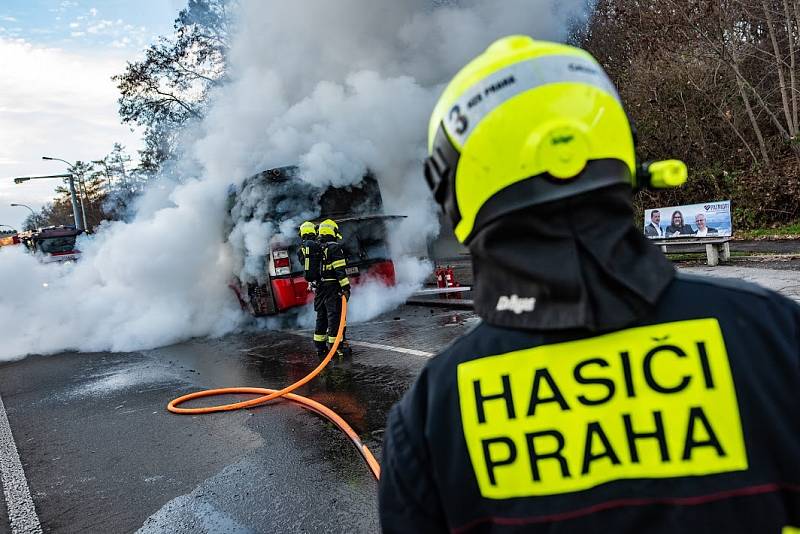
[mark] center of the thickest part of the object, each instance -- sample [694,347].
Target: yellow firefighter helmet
[330,228]
[529,122]
[308,229]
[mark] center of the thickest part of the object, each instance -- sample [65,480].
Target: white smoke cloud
[373,298]
[354,92]
[336,87]
[140,285]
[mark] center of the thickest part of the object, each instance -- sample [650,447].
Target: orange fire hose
[285,393]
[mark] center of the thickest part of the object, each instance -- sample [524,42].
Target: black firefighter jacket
[334,265]
[688,421]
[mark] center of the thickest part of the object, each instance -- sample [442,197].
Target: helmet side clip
[664,174]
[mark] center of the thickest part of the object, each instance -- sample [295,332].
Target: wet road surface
[102,454]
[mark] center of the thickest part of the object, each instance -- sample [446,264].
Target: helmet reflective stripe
[486,95]
[526,122]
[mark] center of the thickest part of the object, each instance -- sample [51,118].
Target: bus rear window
[364,240]
[55,245]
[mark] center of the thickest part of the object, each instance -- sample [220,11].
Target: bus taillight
[280,259]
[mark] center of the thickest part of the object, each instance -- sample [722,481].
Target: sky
[57,98]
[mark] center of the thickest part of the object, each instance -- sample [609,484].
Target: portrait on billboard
[712,219]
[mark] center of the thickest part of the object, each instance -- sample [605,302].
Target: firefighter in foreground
[602,392]
[332,284]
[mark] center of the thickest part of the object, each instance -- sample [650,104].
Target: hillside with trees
[713,82]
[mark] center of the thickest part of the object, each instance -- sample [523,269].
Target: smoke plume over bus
[337,88]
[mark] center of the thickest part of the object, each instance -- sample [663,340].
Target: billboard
[712,219]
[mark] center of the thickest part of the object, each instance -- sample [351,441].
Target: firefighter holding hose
[333,284]
[602,392]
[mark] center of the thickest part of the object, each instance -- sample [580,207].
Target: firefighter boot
[335,356]
[322,349]
[342,351]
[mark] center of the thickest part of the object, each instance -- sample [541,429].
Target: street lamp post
[82,189]
[75,215]
[72,194]
[33,213]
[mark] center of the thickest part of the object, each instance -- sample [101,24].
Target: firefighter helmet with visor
[525,123]
[308,229]
[328,227]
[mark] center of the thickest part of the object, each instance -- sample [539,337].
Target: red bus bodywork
[287,292]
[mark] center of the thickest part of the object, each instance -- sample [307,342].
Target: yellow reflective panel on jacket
[648,402]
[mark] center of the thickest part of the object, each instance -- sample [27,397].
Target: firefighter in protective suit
[602,391]
[310,256]
[332,285]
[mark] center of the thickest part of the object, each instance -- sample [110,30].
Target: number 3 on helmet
[529,122]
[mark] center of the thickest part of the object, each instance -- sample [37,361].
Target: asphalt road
[101,453]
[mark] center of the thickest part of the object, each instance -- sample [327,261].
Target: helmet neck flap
[581,259]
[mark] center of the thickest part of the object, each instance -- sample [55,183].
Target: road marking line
[21,511]
[394,349]
[364,344]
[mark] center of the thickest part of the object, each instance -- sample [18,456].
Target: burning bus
[53,244]
[281,197]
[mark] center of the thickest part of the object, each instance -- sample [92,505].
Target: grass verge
[788,231]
